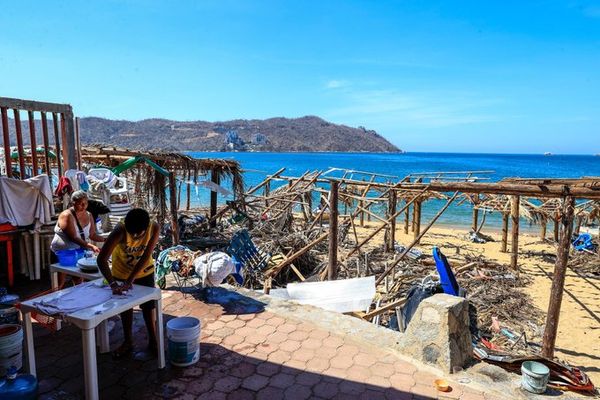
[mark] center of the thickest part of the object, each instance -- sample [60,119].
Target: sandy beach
[578,340]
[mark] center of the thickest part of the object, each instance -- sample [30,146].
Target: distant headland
[305,134]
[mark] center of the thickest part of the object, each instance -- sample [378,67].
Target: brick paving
[258,355]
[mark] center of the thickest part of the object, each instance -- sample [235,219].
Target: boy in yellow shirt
[131,244]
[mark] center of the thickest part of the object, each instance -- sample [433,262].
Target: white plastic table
[87,320]
[55,269]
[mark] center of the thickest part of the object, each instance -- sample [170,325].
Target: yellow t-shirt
[126,255]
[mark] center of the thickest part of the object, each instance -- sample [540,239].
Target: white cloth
[81,296]
[26,202]
[215,188]
[214,267]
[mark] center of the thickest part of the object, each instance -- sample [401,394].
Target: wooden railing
[64,131]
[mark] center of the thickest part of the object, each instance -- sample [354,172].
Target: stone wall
[438,333]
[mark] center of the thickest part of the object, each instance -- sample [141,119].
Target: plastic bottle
[18,387]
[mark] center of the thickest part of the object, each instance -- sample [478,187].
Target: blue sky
[480,76]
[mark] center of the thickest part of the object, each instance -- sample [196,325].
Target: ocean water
[258,165]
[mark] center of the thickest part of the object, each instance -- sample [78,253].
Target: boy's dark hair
[137,220]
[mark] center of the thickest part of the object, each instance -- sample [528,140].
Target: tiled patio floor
[258,355]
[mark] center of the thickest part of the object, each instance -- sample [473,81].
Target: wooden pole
[504,245]
[514,216]
[378,229]
[57,148]
[556,226]
[333,231]
[417,219]
[392,227]
[543,227]
[188,190]
[32,143]
[77,143]
[6,140]
[173,206]
[406,220]
[214,177]
[46,141]
[475,224]
[558,280]
[410,246]
[20,150]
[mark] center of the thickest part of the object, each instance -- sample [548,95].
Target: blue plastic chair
[244,251]
[583,242]
[447,279]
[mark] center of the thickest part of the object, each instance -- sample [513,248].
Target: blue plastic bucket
[68,258]
[183,336]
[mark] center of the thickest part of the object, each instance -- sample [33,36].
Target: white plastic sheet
[342,296]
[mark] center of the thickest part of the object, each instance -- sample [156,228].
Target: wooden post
[543,227]
[77,143]
[333,231]
[504,245]
[46,141]
[32,143]
[392,227]
[556,226]
[417,219]
[214,177]
[410,246]
[475,224]
[267,192]
[57,148]
[173,206]
[188,199]
[558,280]
[6,139]
[69,143]
[406,219]
[514,215]
[20,150]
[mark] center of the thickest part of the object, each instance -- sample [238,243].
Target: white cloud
[336,84]
[423,110]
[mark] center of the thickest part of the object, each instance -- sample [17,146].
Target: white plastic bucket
[183,336]
[11,347]
[534,376]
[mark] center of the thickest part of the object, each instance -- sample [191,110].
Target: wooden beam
[543,227]
[29,105]
[214,177]
[275,270]
[504,245]
[32,142]
[392,226]
[77,143]
[173,207]
[406,220]
[556,227]
[417,219]
[46,141]
[70,143]
[17,118]
[378,229]
[475,224]
[381,310]
[57,147]
[514,216]
[558,280]
[417,239]
[333,231]
[6,141]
